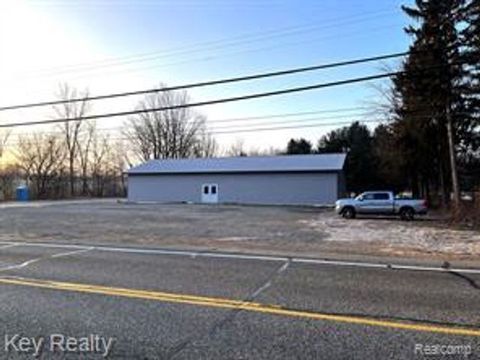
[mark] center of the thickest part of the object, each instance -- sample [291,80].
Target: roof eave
[235,172]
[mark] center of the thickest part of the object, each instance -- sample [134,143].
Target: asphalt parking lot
[304,231]
[158,304]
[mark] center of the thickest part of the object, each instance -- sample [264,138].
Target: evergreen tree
[470,146]
[355,140]
[300,146]
[471,58]
[431,95]
[390,166]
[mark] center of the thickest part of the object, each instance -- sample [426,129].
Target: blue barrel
[22,193]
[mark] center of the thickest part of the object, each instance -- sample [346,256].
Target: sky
[114,46]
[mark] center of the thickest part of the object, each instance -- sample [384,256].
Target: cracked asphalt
[179,305]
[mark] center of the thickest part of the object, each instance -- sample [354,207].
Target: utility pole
[453,161]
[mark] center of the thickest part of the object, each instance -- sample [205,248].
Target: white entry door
[210,193]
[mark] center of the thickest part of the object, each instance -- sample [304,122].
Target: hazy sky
[111,46]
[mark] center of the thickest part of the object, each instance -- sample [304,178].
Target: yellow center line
[237,304]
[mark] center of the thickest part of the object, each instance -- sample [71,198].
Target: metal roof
[284,163]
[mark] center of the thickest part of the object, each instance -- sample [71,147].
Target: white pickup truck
[380,203]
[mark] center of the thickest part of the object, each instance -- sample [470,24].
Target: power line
[214,44]
[291,127]
[257,129]
[215,128]
[285,115]
[117,129]
[276,116]
[210,57]
[296,121]
[246,129]
[206,58]
[290,114]
[210,83]
[209,102]
[337,123]
[224,100]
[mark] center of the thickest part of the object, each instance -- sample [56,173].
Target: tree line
[75,159]
[434,103]
[428,142]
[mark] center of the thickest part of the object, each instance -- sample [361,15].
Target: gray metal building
[290,179]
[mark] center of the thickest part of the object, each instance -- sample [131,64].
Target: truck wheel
[407,214]
[348,213]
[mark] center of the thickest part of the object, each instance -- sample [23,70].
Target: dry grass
[468,215]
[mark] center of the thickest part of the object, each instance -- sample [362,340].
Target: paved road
[180,305]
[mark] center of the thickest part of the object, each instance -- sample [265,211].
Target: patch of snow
[235,238]
[394,234]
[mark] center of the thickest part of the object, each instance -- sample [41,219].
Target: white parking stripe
[7,246]
[221,255]
[22,265]
[72,252]
[384,266]
[31,261]
[49,245]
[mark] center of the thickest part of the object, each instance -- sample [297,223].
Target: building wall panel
[275,188]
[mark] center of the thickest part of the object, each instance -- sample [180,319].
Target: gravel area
[266,229]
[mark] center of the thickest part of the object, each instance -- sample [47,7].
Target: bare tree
[99,165]
[174,133]
[71,129]
[120,163]
[385,98]
[7,173]
[41,157]
[3,141]
[237,148]
[271,151]
[8,176]
[206,145]
[84,145]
